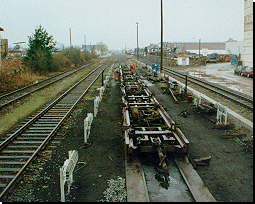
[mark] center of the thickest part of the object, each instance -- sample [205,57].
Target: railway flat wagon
[147,126]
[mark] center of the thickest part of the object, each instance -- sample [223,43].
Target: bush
[39,55]
[74,55]
[78,57]
[15,75]
[60,61]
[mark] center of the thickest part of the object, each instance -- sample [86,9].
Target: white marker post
[87,126]
[96,104]
[66,172]
[221,111]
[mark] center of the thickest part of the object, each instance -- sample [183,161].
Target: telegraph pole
[137,42]
[85,42]
[1,29]
[70,39]
[199,51]
[162,46]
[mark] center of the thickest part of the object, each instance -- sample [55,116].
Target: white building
[248,34]
[182,61]
[206,48]
[233,46]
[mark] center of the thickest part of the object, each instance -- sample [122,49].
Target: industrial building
[234,47]
[247,57]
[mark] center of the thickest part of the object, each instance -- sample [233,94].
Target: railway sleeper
[36,131]
[44,125]
[34,142]
[9,163]
[148,128]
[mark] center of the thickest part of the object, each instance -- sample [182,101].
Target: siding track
[14,96]
[19,149]
[237,97]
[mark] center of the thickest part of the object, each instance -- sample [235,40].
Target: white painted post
[226,114]
[106,81]
[221,111]
[87,126]
[101,92]
[96,104]
[66,172]
[200,99]
[62,184]
[195,101]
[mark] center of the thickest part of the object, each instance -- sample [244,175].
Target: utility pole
[199,51]
[70,39]
[85,42]
[125,49]
[137,42]
[162,46]
[1,29]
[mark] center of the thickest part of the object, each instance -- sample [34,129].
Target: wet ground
[175,191]
[222,73]
[229,177]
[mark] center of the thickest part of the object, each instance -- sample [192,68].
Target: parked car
[239,69]
[247,72]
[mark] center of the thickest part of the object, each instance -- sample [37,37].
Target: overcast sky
[114,21]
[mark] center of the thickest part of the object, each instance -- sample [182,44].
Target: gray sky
[114,21]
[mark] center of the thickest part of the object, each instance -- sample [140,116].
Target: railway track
[14,96]
[19,149]
[151,135]
[237,97]
[174,186]
[176,190]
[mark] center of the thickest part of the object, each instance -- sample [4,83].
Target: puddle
[171,193]
[147,83]
[223,69]
[175,190]
[236,89]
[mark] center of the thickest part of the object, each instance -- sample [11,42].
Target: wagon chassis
[147,126]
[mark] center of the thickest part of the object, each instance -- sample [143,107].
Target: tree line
[42,55]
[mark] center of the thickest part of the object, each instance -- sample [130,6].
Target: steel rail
[39,88]
[195,191]
[12,183]
[143,168]
[29,86]
[216,88]
[20,130]
[219,90]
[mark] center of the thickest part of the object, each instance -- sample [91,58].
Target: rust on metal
[148,127]
[227,136]
[204,161]
[224,127]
